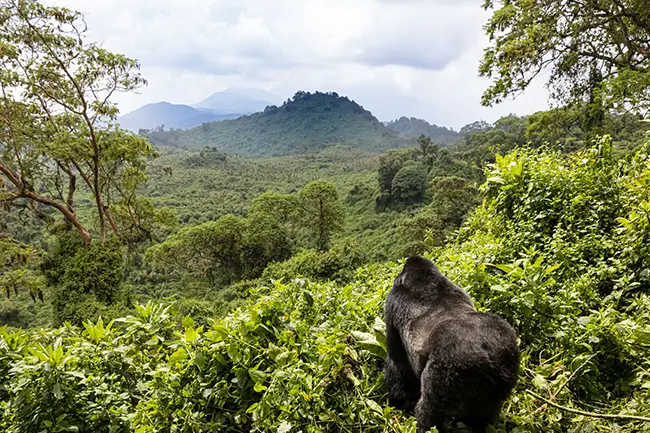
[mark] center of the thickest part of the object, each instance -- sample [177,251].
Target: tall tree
[322,210]
[594,50]
[58,132]
[410,183]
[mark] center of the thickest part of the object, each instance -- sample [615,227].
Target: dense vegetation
[412,127]
[386,216]
[233,277]
[566,129]
[558,248]
[306,122]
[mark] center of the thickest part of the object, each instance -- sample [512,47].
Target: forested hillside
[412,127]
[307,122]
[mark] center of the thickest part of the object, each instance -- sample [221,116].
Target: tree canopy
[58,136]
[594,50]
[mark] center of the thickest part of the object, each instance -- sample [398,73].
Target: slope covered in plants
[307,122]
[559,248]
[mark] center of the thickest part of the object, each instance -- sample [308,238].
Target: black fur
[445,359]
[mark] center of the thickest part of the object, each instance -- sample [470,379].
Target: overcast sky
[395,57]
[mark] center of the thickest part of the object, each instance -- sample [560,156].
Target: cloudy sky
[395,57]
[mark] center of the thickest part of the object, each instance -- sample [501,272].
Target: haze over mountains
[306,122]
[234,100]
[228,104]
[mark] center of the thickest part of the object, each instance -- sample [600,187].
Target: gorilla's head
[418,271]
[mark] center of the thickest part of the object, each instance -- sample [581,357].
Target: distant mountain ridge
[228,104]
[412,127]
[235,100]
[304,123]
[169,115]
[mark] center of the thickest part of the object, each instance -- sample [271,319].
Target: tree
[212,250]
[425,143]
[390,163]
[478,126]
[410,183]
[559,126]
[595,51]
[322,211]
[271,230]
[58,132]
[89,281]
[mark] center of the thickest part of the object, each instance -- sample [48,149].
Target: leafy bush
[87,281]
[554,250]
[338,264]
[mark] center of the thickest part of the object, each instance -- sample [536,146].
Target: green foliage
[480,146]
[550,250]
[403,174]
[97,270]
[87,281]
[452,198]
[410,183]
[307,122]
[209,157]
[19,269]
[58,138]
[213,250]
[337,264]
[322,213]
[558,248]
[564,129]
[251,371]
[205,312]
[232,248]
[594,51]
[390,163]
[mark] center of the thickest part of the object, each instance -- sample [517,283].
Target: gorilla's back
[475,361]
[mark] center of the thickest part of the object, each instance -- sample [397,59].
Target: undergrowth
[559,248]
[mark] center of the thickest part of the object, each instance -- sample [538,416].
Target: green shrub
[337,264]
[87,281]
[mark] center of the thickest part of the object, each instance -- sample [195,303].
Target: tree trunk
[26,191]
[71,217]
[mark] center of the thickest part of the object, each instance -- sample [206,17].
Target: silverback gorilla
[445,359]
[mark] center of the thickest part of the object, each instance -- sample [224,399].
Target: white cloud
[395,57]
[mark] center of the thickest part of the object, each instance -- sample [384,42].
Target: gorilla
[445,359]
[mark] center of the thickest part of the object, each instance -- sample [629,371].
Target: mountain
[307,122]
[171,115]
[234,100]
[228,104]
[412,127]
